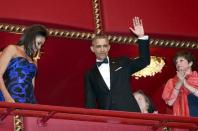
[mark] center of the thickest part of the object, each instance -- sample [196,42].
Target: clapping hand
[181,75]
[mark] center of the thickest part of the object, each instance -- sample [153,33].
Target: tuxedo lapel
[99,78]
[113,66]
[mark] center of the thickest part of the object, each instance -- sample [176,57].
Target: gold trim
[174,43]
[18,123]
[97,16]
[121,39]
[154,42]
[18,29]
[71,34]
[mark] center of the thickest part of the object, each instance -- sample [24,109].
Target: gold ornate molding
[18,29]
[174,43]
[18,123]
[154,42]
[121,39]
[71,34]
[97,16]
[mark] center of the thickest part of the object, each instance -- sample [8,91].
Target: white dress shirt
[105,72]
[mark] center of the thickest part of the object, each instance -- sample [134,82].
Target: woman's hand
[9,99]
[181,75]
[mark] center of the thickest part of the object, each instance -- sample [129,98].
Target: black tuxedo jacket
[119,97]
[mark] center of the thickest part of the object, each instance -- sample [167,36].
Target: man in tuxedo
[107,84]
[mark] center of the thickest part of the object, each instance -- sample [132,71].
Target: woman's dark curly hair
[28,38]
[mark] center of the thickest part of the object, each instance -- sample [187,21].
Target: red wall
[66,13]
[162,18]
[165,18]
[62,66]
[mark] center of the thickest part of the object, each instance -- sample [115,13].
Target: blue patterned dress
[18,80]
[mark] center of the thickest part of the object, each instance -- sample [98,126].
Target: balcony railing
[47,112]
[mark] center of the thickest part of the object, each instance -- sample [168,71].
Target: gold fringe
[156,65]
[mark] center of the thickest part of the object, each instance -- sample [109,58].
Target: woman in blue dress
[18,67]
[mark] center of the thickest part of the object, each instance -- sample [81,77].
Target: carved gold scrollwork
[156,65]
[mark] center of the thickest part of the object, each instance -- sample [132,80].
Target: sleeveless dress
[18,80]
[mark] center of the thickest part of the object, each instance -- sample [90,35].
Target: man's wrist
[143,37]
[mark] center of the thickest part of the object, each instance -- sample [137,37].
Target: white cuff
[145,37]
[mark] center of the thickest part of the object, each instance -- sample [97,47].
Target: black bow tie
[99,63]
